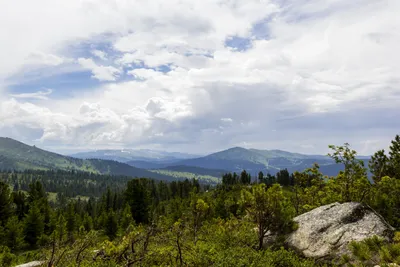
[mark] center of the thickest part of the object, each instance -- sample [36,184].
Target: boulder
[32,264]
[325,232]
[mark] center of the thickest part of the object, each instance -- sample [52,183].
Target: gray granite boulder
[32,264]
[325,232]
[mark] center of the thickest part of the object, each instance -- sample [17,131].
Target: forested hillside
[15,155]
[269,161]
[119,221]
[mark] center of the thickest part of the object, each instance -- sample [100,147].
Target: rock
[325,232]
[32,264]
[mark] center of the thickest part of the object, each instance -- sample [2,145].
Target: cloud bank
[199,76]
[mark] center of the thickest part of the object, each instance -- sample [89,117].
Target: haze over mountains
[127,155]
[234,159]
[162,165]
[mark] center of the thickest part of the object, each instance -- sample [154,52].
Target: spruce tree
[111,225]
[34,225]
[14,235]
[5,203]
[138,198]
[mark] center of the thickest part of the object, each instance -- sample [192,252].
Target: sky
[200,76]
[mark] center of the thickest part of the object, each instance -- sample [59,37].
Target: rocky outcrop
[325,232]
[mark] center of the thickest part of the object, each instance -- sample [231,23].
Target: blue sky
[200,76]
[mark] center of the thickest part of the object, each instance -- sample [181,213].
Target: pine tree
[283,177]
[245,177]
[19,199]
[5,203]
[61,229]
[261,177]
[137,196]
[14,235]
[269,209]
[352,182]
[34,225]
[111,225]
[71,221]
[379,165]
[126,218]
[394,158]
[36,192]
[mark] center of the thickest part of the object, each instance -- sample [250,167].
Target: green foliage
[5,203]
[373,251]
[351,184]
[209,179]
[138,199]
[386,165]
[283,178]
[384,201]
[6,257]
[245,178]
[308,191]
[394,158]
[14,235]
[15,155]
[111,225]
[378,165]
[185,223]
[34,225]
[269,209]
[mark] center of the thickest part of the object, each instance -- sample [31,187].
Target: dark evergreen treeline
[69,183]
[73,183]
[27,219]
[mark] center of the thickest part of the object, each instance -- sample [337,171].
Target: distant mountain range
[252,160]
[15,155]
[125,155]
[268,161]
[163,165]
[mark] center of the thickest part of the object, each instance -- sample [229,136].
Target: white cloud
[327,73]
[100,54]
[40,58]
[42,95]
[226,120]
[101,73]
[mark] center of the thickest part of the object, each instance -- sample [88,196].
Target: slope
[254,160]
[15,155]
[126,155]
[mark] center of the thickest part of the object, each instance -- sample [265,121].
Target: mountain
[196,170]
[15,155]
[141,155]
[144,164]
[163,165]
[254,160]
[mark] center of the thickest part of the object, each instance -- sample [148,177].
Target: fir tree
[34,225]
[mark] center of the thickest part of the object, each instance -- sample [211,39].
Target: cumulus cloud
[101,73]
[314,73]
[100,54]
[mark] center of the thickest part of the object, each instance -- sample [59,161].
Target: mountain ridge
[126,155]
[234,159]
[15,155]
[268,161]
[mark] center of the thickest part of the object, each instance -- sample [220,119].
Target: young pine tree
[33,225]
[268,209]
[5,203]
[14,234]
